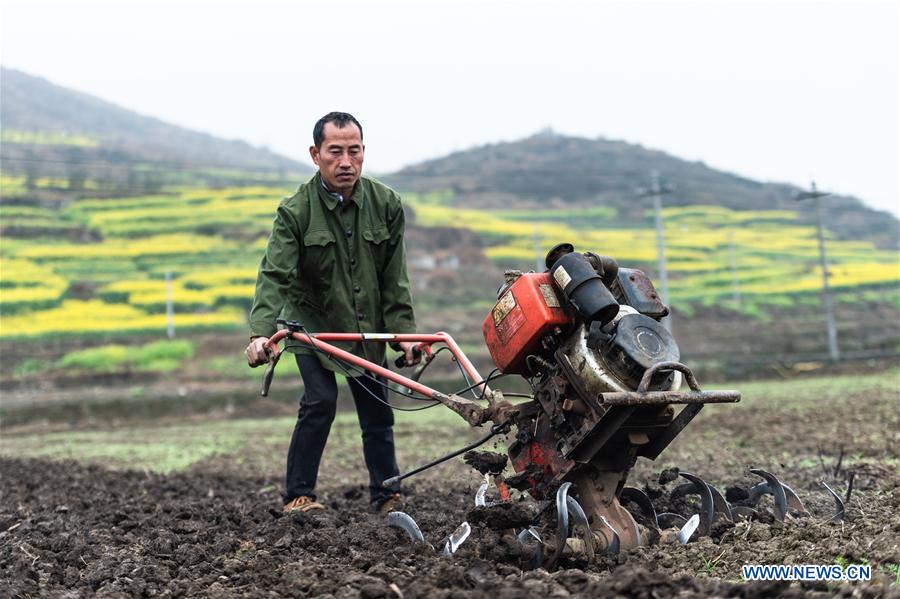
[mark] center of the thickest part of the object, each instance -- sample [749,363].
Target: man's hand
[411,358]
[257,353]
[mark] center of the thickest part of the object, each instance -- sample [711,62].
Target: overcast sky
[773,90]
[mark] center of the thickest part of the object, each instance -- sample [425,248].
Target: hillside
[104,227]
[559,171]
[52,131]
[73,142]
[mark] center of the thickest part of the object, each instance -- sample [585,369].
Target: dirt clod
[668,475]
[486,462]
[736,494]
[502,516]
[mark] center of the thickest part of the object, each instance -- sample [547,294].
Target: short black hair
[341,119]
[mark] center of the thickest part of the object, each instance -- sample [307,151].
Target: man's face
[340,158]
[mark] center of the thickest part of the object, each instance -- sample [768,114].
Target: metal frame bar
[425,341]
[648,398]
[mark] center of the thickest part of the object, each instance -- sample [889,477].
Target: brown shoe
[391,504]
[302,504]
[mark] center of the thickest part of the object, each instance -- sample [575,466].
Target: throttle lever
[269,373]
[420,368]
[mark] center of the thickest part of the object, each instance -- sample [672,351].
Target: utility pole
[816,195]
[656,191]
[539,265]
[170,307]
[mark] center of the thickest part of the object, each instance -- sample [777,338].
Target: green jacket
[336,267]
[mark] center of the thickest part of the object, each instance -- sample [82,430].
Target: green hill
[552,170]
[53,132]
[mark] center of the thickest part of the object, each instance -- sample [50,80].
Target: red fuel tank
[530,309]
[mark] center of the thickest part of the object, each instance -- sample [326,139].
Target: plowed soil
[70,529]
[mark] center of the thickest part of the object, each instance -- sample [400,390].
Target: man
[335,262]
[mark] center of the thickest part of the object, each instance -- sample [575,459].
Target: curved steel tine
[641,500]
[405,522]
[615,546]
[742,511]
[757,491]
[670,520]
[562,520]
[457,538]
[720,505]
[777,492]
[794,502]
[537,557]
[580,520]
[529,533]
[687,531]
[838,503]
[479,495]
[707,507]
[576,511]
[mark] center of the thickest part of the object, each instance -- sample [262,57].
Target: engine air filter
[640,342]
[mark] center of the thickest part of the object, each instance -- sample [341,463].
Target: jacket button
[360,316]
[356,290]
[352,261]
[349,232]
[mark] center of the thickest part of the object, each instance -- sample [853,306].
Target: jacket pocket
[318,263]
[376,234]
[319,237]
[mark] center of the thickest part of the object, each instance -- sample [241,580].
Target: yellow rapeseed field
[210,241]
[47,138]
[96,317]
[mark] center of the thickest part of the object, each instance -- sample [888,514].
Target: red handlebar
[321,341]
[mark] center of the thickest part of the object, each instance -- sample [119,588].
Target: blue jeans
[317,409]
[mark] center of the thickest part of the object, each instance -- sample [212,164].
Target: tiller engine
[606,378]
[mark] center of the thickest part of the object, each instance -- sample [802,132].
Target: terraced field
[98,267]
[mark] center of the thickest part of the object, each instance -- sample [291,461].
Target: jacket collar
[332,199]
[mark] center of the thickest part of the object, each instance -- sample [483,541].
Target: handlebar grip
[400,362]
